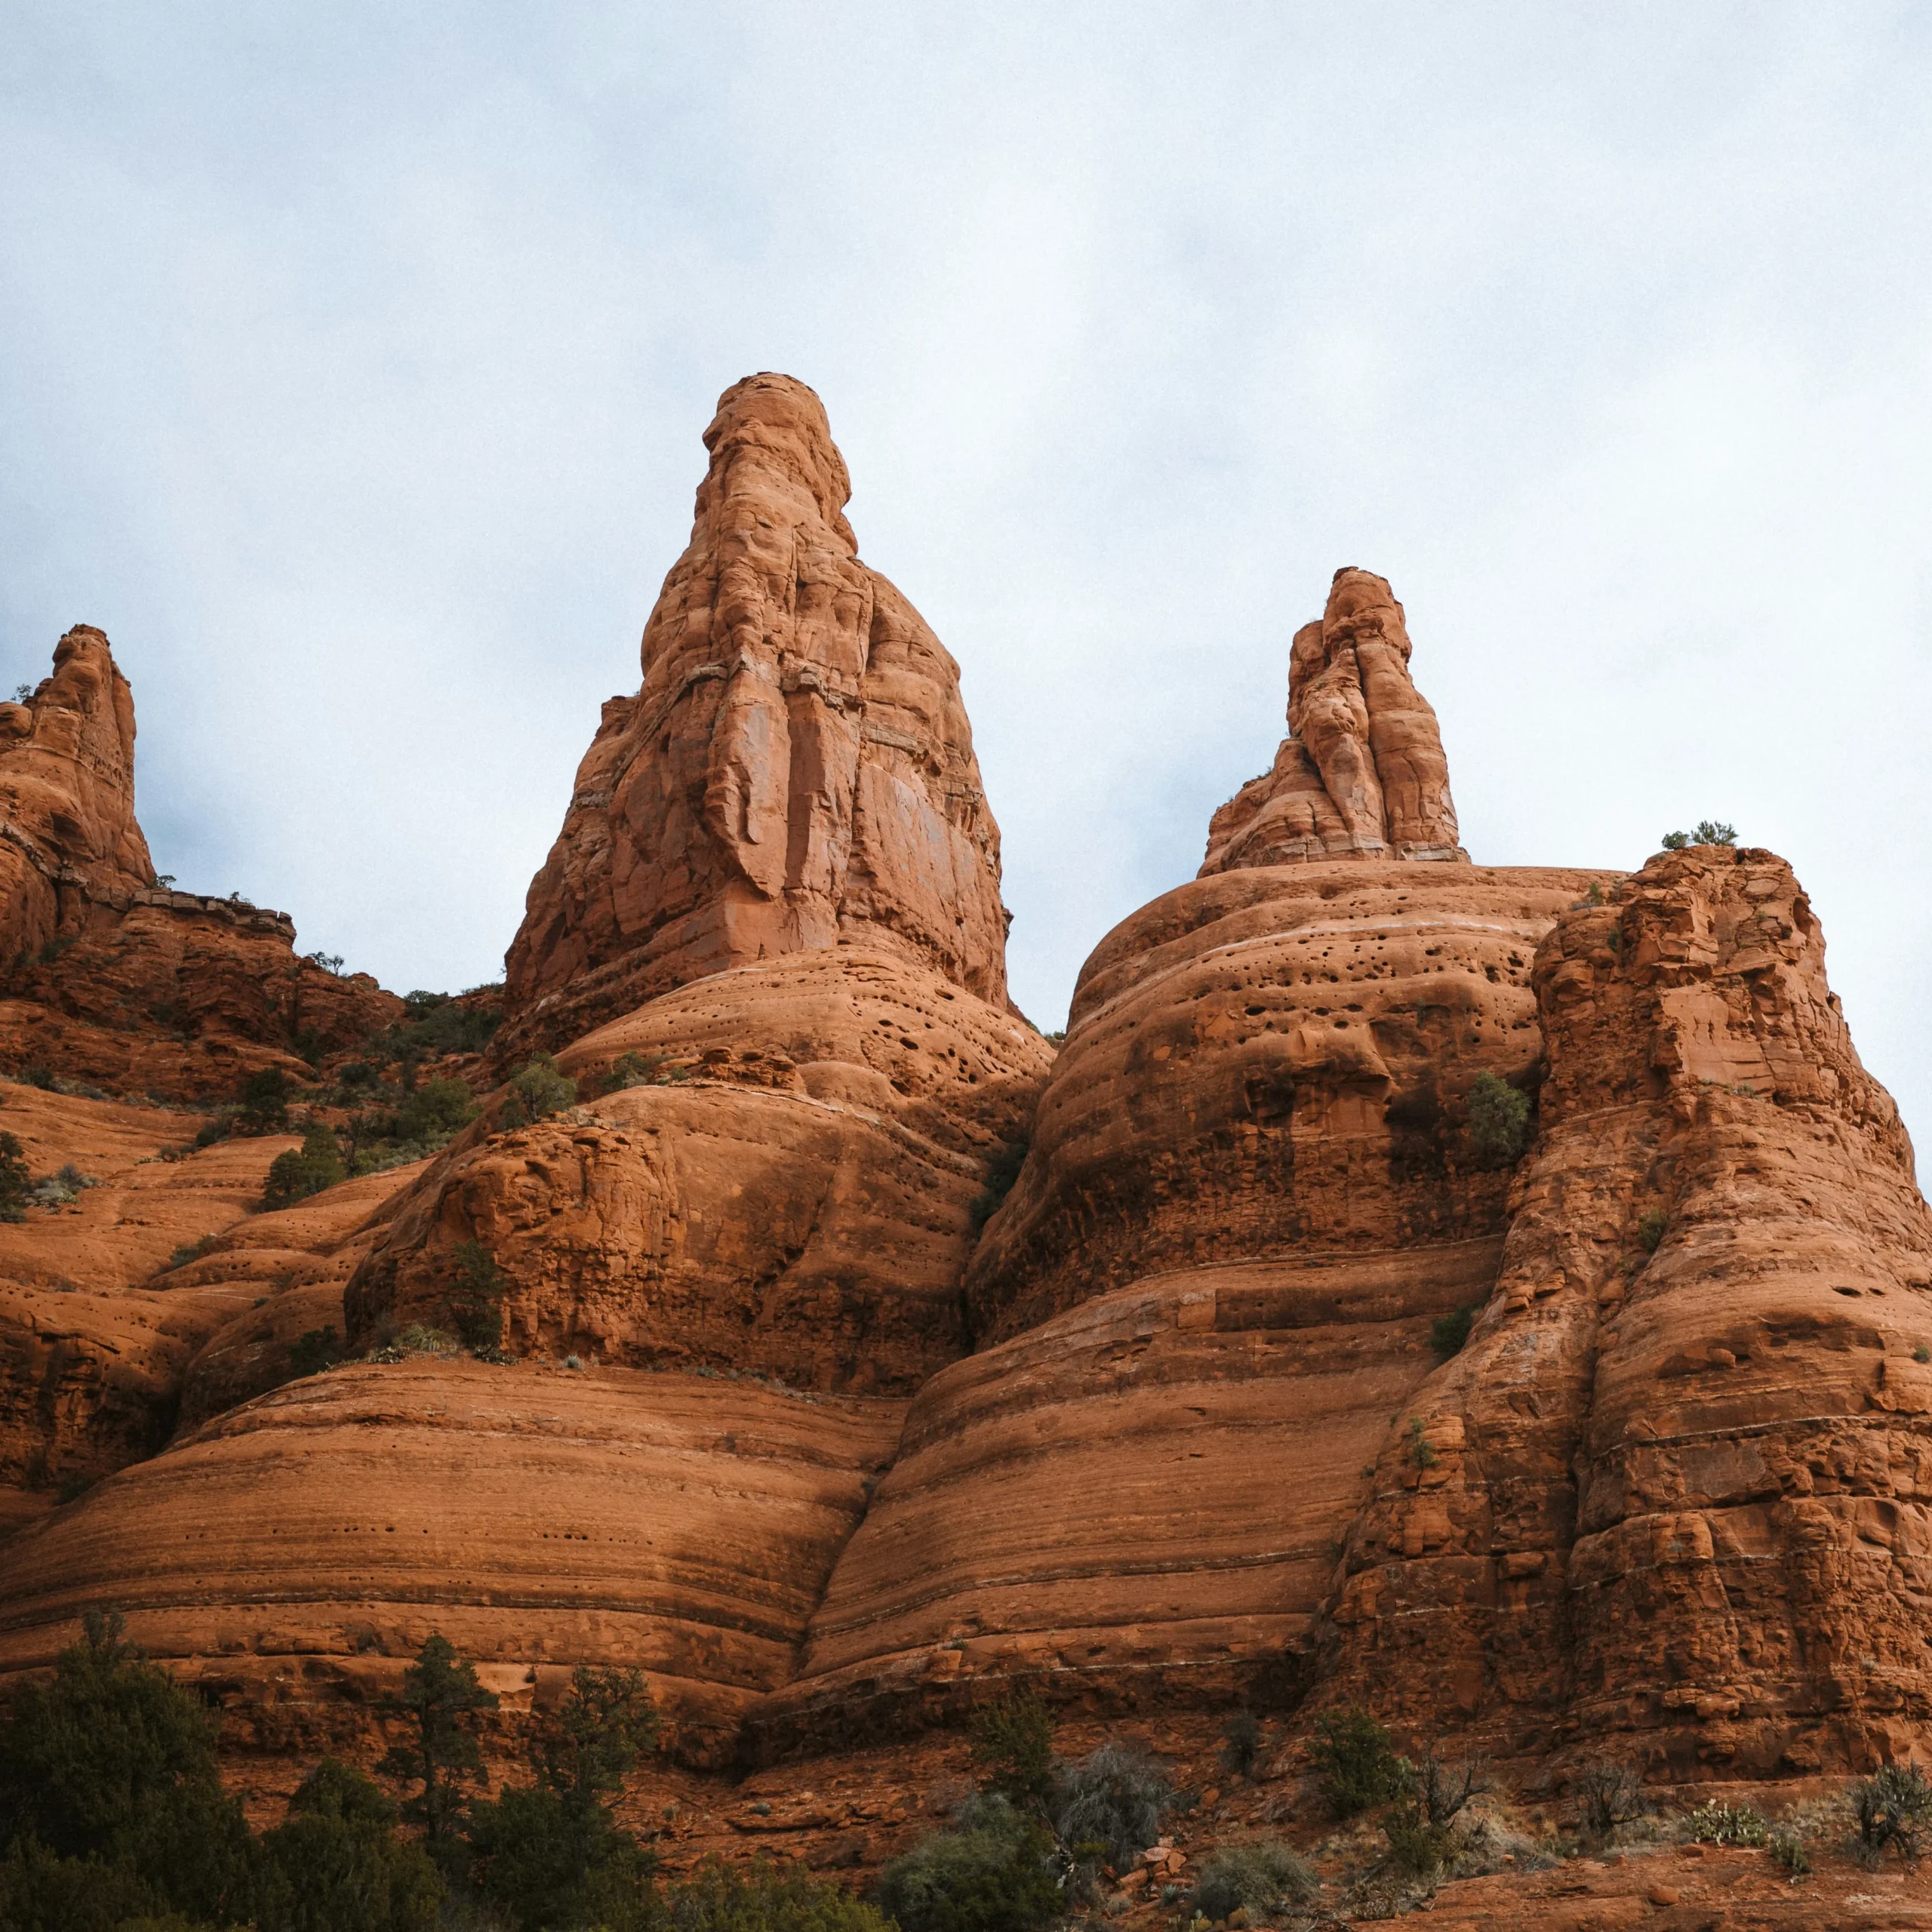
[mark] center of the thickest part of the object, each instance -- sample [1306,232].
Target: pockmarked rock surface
[1671,1498]
[796,769]
[1361,772]
[109,976]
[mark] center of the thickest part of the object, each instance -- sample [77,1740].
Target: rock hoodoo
[796,770]
[1361,772]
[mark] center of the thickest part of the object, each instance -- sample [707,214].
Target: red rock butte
[862,1352]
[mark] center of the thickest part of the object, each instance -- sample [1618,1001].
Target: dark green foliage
[1003,1166]
[1013,1747]
[192,1251]
[14,1179]
[1714,831]
[1113,1799]
[336,1865]
[1418,1824]
[639,1070]
[218,1127]
[294,1176]
[313,1351]
[41,1892]
[434,1025]
[439,1691]
[476,1297]
[1415,1845]
[989,1874]
[1499,1121]
[430,1116]
[1355,1763]
[1240,1745]
[722,1898]
[111,1766]
[1675,841]
[1715,1822]
[1262,1880]
[1447,1333]
[1787,1852]
[551,1853]
[1892,1808]
[1650,1230]
[538,1089]
[1608,1794]
[265,1098]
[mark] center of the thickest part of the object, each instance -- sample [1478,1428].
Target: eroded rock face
[1361,773]
[789,1191]
[1270,1063]
[796,769]
[1673,1496]
[108,976]
[69,842]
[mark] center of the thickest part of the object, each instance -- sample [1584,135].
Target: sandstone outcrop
[796,769]
[108,975]
[69,843]
[789,1188]
[1361,773]
[1671,1500]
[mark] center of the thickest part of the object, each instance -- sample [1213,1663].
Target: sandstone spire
[67,831]
[796,769]
[1361,773]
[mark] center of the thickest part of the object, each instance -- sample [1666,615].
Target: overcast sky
[353,360]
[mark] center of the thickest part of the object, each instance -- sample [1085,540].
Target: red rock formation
[796,769]
[788,1189]
[107,977]
[1673,1498]
[70,848]
[1361,773]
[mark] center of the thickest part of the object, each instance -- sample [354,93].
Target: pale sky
[353,359]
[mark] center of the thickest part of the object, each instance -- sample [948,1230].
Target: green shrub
[990,1873]
[1013,1745]
[1650,1230]
[1714,831]
[1608,1794]
[1675,841]
[538,1089]
[1355,1763]
[436,1112]
[476,1297]
[551,1853]
[313,1351]
[1714,1822]
[1416,1845]
[336,1865]
[1003,1166]
[629,1070]
[1892,1808]
[439,1692]
[1447,1333]
[433,1025]
[1240,1745]
[1262,1880]
[294,1175]
[1114,1798]
[1499,1121]
[15,1181]
[219,1126]
[111,1766]
[192,1251]
[1788,1853]
[265,1098]
[722,1898]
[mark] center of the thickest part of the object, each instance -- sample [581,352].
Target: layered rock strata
[787,1188]
[1671,1500]
[796,769]
[1361,773]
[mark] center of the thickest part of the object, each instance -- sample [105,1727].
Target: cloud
[353,363]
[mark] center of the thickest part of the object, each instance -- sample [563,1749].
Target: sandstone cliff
[796,769]
[1361,771]
[109,976]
